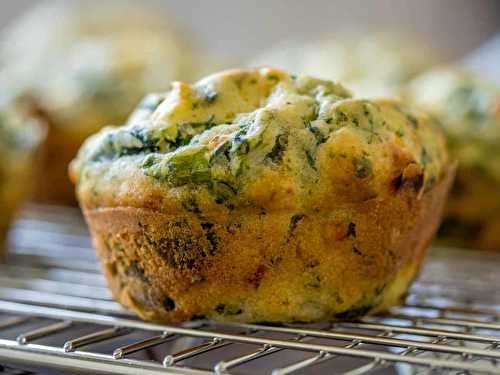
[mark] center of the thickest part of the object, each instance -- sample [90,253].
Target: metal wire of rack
[56,315]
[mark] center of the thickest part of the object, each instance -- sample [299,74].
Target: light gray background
[244,27]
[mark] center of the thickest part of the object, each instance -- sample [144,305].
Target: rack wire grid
[57,316]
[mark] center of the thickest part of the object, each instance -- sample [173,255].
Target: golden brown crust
[254,195]
[274,266]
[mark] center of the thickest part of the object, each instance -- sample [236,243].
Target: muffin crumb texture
[258,196]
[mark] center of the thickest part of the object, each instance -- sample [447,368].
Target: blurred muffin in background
[87,64]
[469,109]
[370,65]
[20,135]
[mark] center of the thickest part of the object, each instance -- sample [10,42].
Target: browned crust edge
[275,267]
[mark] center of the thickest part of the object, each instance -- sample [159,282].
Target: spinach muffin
[373,64]
[255,195]
[469,109]
[20,136]
[87,65]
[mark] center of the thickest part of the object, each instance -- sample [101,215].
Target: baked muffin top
[261,139]
[87,67]
[372,65]
[470,112]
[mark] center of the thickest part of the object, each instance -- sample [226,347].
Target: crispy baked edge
[159,281]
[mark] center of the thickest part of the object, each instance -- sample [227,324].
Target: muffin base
[252,266]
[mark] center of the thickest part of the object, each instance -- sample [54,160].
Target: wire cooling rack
[57,316]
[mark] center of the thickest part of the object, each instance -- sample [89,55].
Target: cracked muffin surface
[469,109]
[255,195]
